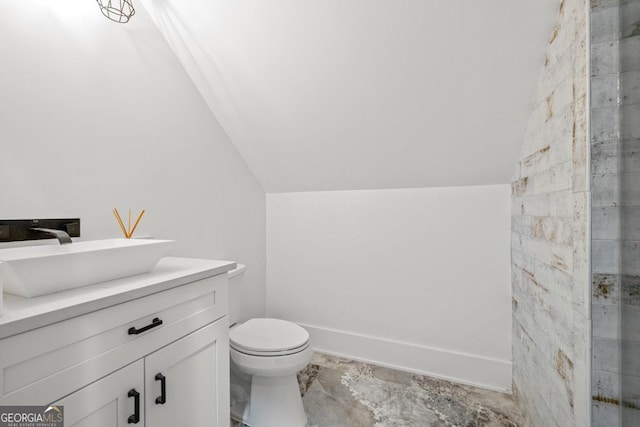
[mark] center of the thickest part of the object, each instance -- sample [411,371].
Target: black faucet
[16,230]
[62,236]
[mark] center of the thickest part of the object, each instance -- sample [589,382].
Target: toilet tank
[236,290]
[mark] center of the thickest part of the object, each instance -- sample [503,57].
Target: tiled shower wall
[550,273]
[615,160]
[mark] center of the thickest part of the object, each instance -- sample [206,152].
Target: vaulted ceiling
[359,94]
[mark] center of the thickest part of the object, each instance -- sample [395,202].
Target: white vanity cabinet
[193,369]
[105,403]
[191,387]
[158,360]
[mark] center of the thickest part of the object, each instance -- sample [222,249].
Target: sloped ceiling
[360,94]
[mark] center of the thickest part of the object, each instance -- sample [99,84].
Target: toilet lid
[268,335]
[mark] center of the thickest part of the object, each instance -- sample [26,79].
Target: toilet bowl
[265,356]
[271,351]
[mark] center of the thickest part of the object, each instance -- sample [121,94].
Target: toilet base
[275,402]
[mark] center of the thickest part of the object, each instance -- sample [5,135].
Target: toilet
[265,356]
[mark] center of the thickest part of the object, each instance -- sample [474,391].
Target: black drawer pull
[163,389]
[155,322]
[135,418]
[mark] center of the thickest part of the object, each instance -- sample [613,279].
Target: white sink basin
[39,270]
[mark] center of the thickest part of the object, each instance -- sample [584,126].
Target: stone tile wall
[550,268]
[615,177]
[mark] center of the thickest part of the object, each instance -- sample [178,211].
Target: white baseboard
[485,372]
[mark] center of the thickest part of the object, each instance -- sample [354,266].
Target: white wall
[96,115]
[414,278]
[365,94]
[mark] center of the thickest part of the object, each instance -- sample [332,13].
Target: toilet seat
[268,338]
[269,353]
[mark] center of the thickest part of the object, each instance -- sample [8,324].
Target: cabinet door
[106,403]
[195,373]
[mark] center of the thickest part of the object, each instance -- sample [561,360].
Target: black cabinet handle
[163,389]
[155,322]
[135,418]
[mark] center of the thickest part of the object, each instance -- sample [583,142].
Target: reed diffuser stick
[117,215]
[136,224]
[128,232]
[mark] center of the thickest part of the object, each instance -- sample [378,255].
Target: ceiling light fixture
[117,10]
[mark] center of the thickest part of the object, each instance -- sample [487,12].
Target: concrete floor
[338,392]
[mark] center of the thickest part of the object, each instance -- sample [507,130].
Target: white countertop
[23,314]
